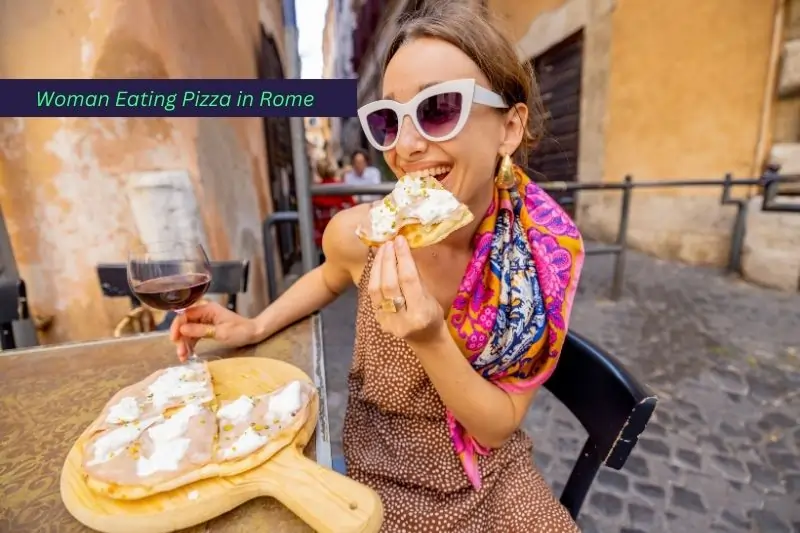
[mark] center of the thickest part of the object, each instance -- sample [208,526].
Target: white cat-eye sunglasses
[439,112]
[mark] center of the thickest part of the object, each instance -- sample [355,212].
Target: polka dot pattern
[396,441]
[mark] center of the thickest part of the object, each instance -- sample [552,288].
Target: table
[49,395]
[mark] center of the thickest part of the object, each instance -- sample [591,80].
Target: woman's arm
[488,413]
[344,256]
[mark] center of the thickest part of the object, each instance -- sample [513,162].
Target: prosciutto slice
[153,450]
[160,391]
[249,423]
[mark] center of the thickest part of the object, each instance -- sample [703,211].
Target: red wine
[172,293]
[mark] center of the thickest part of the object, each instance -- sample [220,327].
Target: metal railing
[292,217]
[770,181]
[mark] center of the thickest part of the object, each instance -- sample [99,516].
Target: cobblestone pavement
[722,452]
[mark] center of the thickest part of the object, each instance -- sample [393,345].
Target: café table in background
[49,395]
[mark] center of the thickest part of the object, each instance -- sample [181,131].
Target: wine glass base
[198,358]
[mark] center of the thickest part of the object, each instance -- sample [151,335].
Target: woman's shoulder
[340,244]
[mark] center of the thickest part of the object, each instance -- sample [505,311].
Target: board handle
[324,499]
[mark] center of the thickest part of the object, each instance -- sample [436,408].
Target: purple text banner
[178,98]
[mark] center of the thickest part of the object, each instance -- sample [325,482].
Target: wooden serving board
[326,500]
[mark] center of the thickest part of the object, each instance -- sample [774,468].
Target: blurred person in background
[343,168]
[362,173]
[453,340]
[325,207]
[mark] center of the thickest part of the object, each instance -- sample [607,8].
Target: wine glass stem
[190,353]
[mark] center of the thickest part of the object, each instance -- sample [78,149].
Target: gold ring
[210,333]
[391,305]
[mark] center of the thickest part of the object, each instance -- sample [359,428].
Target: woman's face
[472,154]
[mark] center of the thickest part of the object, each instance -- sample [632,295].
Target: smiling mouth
[438,173]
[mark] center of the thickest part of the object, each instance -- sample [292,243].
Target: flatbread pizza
[168,431]
[420,209]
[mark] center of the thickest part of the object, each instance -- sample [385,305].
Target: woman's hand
[211,321]
[394,277]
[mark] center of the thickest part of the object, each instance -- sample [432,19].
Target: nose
[409,142]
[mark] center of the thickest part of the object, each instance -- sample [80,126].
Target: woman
[445,367]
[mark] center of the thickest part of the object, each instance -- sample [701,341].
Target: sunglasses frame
[470,93]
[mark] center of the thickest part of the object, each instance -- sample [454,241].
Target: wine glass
[170,276]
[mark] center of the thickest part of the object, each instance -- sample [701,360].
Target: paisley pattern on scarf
[511,313]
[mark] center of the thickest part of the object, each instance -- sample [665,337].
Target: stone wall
[76,192]
[771,255]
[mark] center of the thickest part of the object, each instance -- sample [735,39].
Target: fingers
[389,285]
[191,325]
[185,347]
[174,328]
[207,312]
[374,286]
[198,331]
[407,273]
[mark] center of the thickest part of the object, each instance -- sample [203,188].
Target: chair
[9,311]
[227,277]
[607,400]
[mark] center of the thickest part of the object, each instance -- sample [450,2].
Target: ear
[514,128]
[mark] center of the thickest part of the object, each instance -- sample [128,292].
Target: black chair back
[13,308]
[227,277]
[610,403]
[9,310]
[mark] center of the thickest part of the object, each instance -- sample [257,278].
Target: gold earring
[506,179]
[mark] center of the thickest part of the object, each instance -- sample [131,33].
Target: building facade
[76,192]
[337,52]
[682,90]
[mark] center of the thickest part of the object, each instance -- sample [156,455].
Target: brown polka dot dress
[396,441]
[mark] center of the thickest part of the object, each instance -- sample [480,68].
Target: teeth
[429,172]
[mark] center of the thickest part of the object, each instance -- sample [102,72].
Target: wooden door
[558,71]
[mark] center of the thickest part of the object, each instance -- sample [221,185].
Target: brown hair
[477,33]
[325,169]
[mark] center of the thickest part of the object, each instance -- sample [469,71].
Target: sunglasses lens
[383,126]
[439,114]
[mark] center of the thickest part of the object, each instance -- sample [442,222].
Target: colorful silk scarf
[511,313]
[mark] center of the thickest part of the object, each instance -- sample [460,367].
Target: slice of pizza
[155,454]
[254,428]
[162,390]
[420,209]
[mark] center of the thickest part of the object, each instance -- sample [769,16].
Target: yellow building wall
[65,182]
[670,90]
[686,93]
[687,88]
